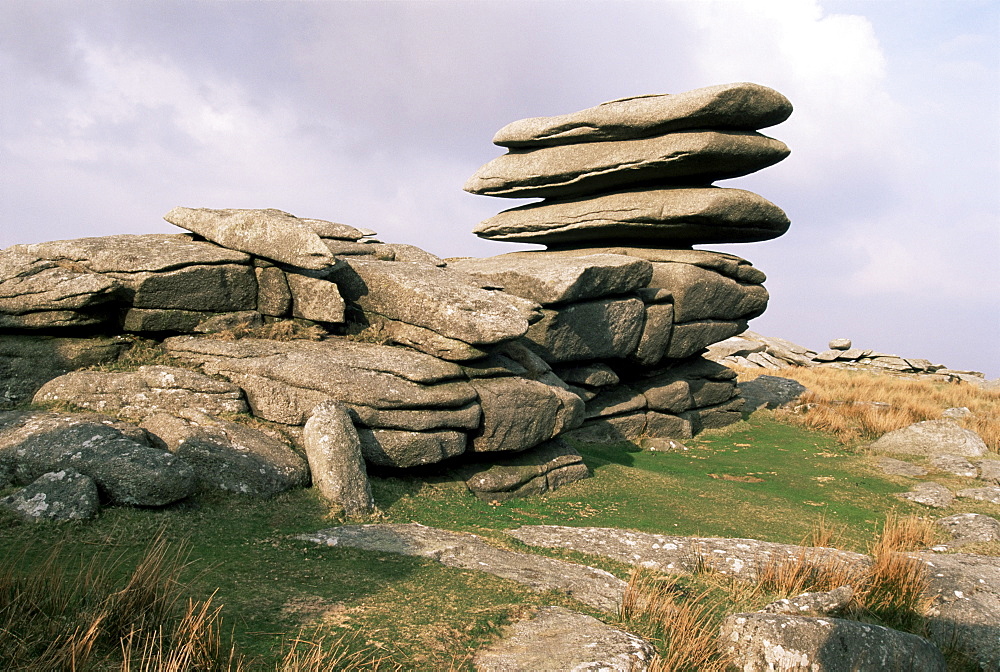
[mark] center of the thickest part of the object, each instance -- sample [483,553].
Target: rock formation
[262,313]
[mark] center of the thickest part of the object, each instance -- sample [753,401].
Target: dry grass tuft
[683,625]
[282,330]
[841,402]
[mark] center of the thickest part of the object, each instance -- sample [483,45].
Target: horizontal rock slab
[439,299]
[30,284]
[400,448]
[970,528]
[418,420]
[770,392]
[28,362]
[379,328]
[756,641]
[894,467]
[56,496]
[135,395]
[680,216]
[574,170]
[701,294]
[55,319]
[591,375]
[543,468]
[742,105]
[229,456]
[271,234]
[932,437]
[217,288]
[691,337]
[556,638]
[171,320]
[593,587]
[519,413]
[929,494]
[335,230]
[606,328]
[548,280]
[126,472]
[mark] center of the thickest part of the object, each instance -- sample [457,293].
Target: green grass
[426,616]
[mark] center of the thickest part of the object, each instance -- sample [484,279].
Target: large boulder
[770,392]
[519,413]
[134,395]
[548,280]
[334,451]
[126,472]
[444,301]
[227,455]
[759,641]
[932,437]
[670,216]
[402,448]
[57,496]
[742,105]
[605,328]
[271,234]
[578,169]
[700,294]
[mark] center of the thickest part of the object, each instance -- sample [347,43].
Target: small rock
[930,494]
[894,467]
[971,527]
[955,413]
[661,445]
[556,638]
[840,344]
[989,470]
[955,464]
[540,469]
[830,602]
[990,494]
[57,496]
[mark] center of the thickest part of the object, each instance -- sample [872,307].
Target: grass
[839,403]
[264,600]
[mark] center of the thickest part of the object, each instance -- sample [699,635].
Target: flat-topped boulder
[679,216]
[742,105]
[551,280]
[31,284]
[439,299]
[699,293]
[574,170]
[271,234]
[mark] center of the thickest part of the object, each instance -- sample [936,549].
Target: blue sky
[374,114]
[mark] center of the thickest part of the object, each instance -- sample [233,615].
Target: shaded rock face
[541,469]
[56,496]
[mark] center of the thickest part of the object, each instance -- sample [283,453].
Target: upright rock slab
[334,452]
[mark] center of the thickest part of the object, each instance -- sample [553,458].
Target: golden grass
[840,402]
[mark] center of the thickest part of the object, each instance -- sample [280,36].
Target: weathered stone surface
[28,362]
[408,253]
[244,319]
[829,602]
[400,448]
[212,288]
[740,558]
[315,299]
[954,464]
[700,293]
[989,494]
[325,229]
[540,469]
[284,380]
[955,413]
[227,455]
[572,170]
[161,320]
[53,319]
[520,413]
[742,105]
[438,299]
[690,337]
[591,375]
[932,437]
[271,234]
[785,642]
[593,587]
[714,417]
[657,330]
[678,216]
[58,496]
[274,298]
[968,528]
[613,429]
[548,280]
[418,420]
[36,443]
[556,638]
[383,329]
[894,467]
[929,494]
[151,388]
[334,452]
[127,254]
[588,330]
[617,400]
[770,392]
[989,470]
[29,284]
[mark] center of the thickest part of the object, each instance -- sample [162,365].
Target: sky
[374,114]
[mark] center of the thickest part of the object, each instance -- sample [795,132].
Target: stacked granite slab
[632,180]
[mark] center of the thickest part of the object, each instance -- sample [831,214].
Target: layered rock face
[628,306]
[262,312]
